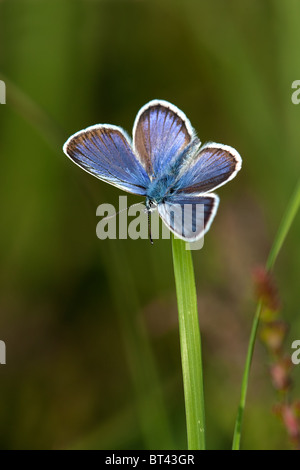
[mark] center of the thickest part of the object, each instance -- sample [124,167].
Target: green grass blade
[244,387]
[284,227]
[190,343]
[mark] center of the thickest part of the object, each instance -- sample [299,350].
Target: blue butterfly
[166,163]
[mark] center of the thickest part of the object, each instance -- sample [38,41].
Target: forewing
[189,217]
[105,152]
[160,133]
[210,167]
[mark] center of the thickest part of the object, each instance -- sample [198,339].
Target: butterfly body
[165,163]
[159,189]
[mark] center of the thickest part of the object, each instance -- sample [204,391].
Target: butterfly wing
[104,151]
[211,166]
[160,132]
[190,216]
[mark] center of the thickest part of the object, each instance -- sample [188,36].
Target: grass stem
[190,343]
[284,227]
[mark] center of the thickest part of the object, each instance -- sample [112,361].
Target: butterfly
[165,162]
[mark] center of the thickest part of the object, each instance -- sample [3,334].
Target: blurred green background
[90,326]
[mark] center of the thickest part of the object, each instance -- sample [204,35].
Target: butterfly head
[151,205]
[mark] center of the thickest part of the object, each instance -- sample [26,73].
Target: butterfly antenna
[149,228]
[119,212]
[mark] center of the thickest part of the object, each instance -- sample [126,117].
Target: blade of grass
[190,344]
[284,227]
